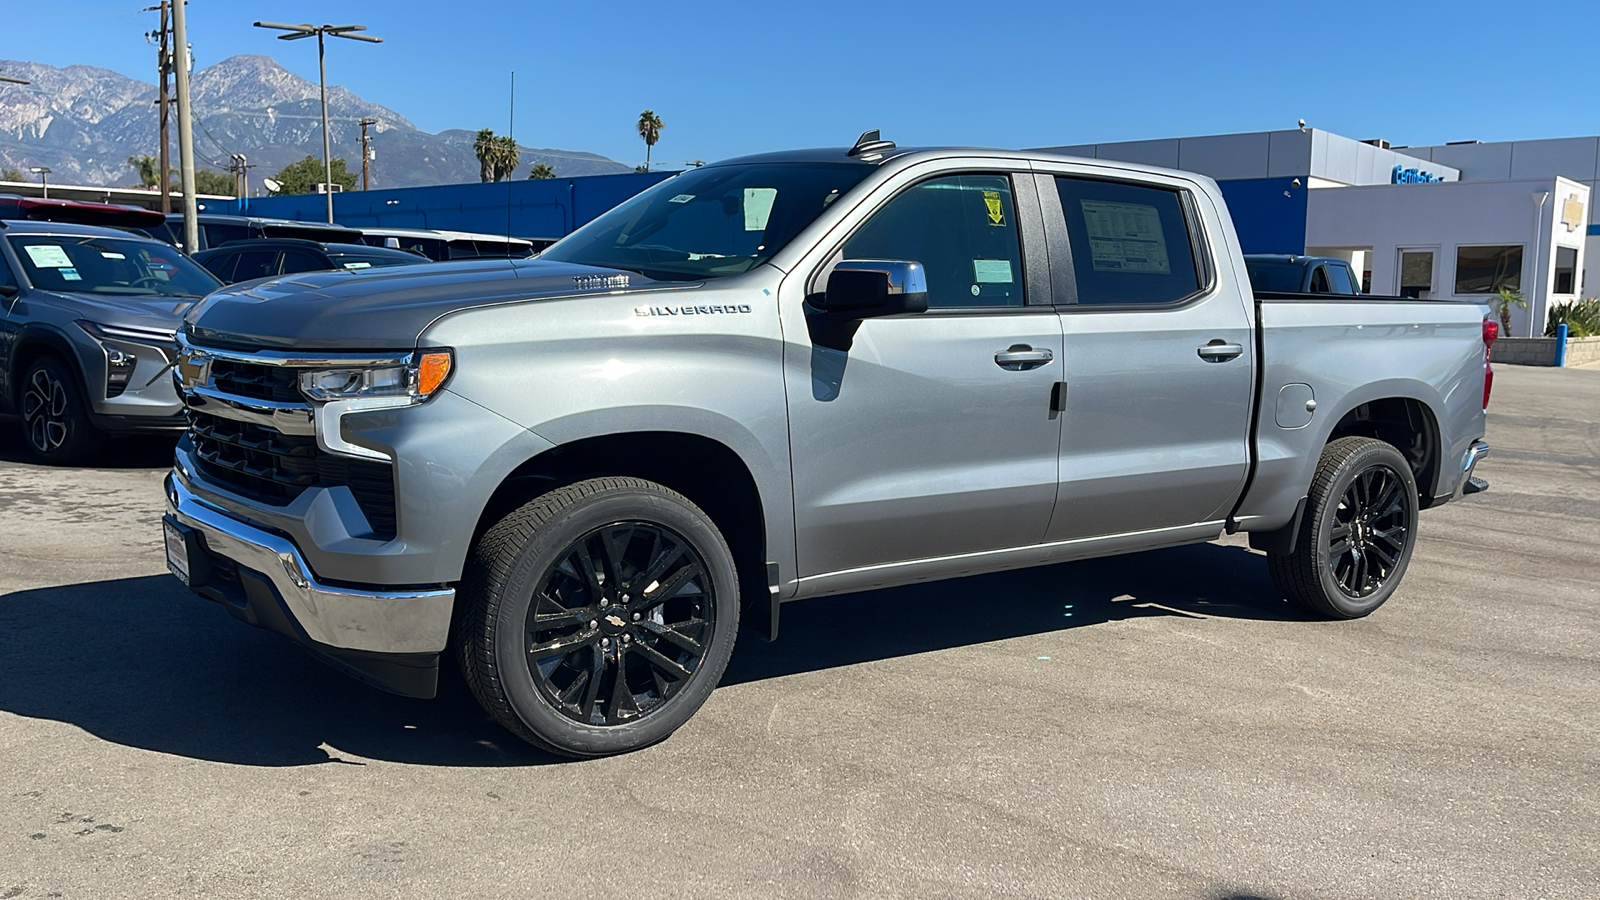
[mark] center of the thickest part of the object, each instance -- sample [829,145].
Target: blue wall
[1267,221]
[546,208]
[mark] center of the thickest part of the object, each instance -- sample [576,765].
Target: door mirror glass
[867,288]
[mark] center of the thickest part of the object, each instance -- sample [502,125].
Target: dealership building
[1457,221]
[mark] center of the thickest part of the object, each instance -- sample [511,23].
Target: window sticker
[112,254]
[991,203]
[681,198]
[48,256]
[758,207]
[991,271]
[358,265]
[70,274]
[1125,237]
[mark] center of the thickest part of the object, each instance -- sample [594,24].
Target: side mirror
[867,288]
[7,291]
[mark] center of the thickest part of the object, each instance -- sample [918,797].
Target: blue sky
[732,78]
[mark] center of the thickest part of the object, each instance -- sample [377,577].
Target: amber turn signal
[432,369]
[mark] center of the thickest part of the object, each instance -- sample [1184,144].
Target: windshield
[711,222]
[1278,277]
[108,265]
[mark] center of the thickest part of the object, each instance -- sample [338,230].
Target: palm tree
[650,126]
[541,171]
[149,169]
[485,145]
[508,157]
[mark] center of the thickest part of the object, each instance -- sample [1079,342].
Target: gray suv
[87,323]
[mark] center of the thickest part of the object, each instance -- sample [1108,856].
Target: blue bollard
[1561,344]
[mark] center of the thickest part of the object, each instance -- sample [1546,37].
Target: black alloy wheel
[1357,533]
[54,418]
[597,617]
[1370,528]
[618,623]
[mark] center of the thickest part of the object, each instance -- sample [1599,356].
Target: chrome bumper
[1469,461]
[341,618]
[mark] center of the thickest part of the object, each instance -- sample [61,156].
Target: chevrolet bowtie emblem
[1572,213]
[615,621]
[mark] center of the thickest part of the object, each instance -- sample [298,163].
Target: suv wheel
[1359,529]
[598,617]
[55,418]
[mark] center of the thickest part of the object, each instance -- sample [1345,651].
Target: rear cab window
[1131,243]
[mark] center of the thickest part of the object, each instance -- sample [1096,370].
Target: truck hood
[381,308]
[157,312]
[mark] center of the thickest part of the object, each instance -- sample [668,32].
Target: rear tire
[55,415]
[598,617]
[1358,532]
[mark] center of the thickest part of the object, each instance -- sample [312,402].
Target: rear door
[1157,355]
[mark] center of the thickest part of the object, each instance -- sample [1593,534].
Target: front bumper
[389,638]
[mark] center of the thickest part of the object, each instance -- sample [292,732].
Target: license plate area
[177,541]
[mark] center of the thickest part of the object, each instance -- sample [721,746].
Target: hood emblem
[600,282]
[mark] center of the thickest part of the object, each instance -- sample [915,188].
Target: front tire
[55,415]
[1356,537]
[598,617]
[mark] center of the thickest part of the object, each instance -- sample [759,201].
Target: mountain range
[84,122]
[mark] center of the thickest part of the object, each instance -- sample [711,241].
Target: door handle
[1220,351]
[1021,357]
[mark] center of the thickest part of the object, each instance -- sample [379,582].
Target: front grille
[241,379]
[274,468]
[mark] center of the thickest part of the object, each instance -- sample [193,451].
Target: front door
[930,435]
[1157,359]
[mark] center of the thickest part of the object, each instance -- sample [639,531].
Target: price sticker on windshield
[48,256]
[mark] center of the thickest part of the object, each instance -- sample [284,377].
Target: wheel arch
[32,342]
[707,471]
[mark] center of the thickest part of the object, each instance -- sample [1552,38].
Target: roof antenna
[870,146]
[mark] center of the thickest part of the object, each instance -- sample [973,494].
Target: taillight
[1491,332]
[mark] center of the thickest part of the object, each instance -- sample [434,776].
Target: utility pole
[164,74]
[180,40]
[366,154]
[166,141]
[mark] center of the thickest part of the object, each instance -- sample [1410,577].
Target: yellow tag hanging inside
[997,216]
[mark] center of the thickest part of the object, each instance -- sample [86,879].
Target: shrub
[1582,318]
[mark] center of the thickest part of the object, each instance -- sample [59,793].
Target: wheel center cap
[612,622]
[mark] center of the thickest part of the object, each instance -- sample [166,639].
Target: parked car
[787,376]
[1286,273]
[87,333]
[82,212]
[446,245]
[216,230]
[247,260]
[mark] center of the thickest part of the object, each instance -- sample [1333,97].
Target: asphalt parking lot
[1149,726]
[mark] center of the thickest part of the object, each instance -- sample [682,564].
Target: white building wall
[1574,158]
[1444,217]
[1265,154]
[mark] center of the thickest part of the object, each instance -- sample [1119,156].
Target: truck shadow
[144,663]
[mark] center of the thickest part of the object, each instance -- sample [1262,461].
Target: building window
[1416,274]
[1488,270]
[1566,270]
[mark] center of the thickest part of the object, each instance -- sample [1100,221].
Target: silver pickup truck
[787,376]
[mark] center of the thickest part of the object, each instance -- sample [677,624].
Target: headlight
[122,345]
[415,381]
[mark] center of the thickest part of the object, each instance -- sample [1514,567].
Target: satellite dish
[271,185]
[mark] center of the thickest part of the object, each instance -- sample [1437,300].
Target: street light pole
[305,30]
[44,182]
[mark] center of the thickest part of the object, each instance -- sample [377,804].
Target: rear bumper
[1469,461]
[389,638]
